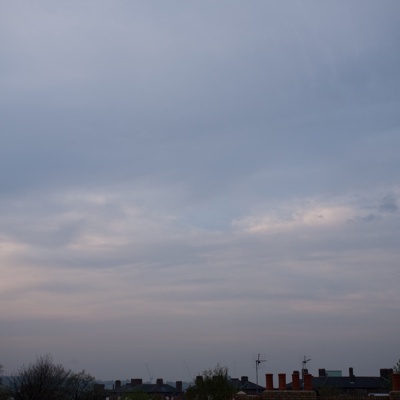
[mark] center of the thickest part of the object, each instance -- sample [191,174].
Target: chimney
[99,388]
[351,375]
[199,380]
[159,381]
[282,381]
[178,386]
[244,379]
[117,385]
[386,373]
[396,381]
[136,382]
[321,372]
[308,382]
[296,380]
[269,382]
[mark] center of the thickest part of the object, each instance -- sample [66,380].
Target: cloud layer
[190,184]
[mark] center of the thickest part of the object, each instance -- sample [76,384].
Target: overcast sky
[187,183]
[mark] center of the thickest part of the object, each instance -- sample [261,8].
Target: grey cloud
[132,156]
[389,204]
[133,134]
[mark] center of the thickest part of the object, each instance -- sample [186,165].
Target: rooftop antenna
[303,366]
[260,359]
[150,376]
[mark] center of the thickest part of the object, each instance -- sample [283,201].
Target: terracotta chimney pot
[296,381]
[269,381]
[282,381]
[308,382]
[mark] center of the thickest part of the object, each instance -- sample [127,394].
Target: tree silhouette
[212,384]
[44,380]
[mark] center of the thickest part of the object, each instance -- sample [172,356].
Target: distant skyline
[190,183]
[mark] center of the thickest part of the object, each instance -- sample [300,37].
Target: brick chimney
[269,381]
[282,381]
[159,381]
[396,381]
[136,382]
[296,380]
[308,382]
[178,386]
[322,372]
[244,379]
[117,385]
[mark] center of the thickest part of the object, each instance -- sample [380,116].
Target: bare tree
[41,380]
[4,393]
[81,386]
[396,368]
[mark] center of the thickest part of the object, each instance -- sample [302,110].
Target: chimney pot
[282,381]
[295,380]
[308,382]
[396,381]
[269,382]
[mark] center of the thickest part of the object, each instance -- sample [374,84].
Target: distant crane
[258,361]
[150,376]
[188,369]
[303,367]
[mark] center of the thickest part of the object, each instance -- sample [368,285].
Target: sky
[192,183]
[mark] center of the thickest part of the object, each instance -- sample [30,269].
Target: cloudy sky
[187,183]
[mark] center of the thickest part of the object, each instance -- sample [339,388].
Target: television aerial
[260,359]
[303,366]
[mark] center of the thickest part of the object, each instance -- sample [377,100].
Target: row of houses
[327,382]
[332,383]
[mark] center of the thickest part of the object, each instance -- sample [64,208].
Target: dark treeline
[45,380]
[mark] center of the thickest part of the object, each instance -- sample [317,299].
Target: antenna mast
[260,359]
[303,367]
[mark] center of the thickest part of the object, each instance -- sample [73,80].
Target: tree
[136,396]
[3,389]
[41,380]
[80,386]
[213,384]
[44,380]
